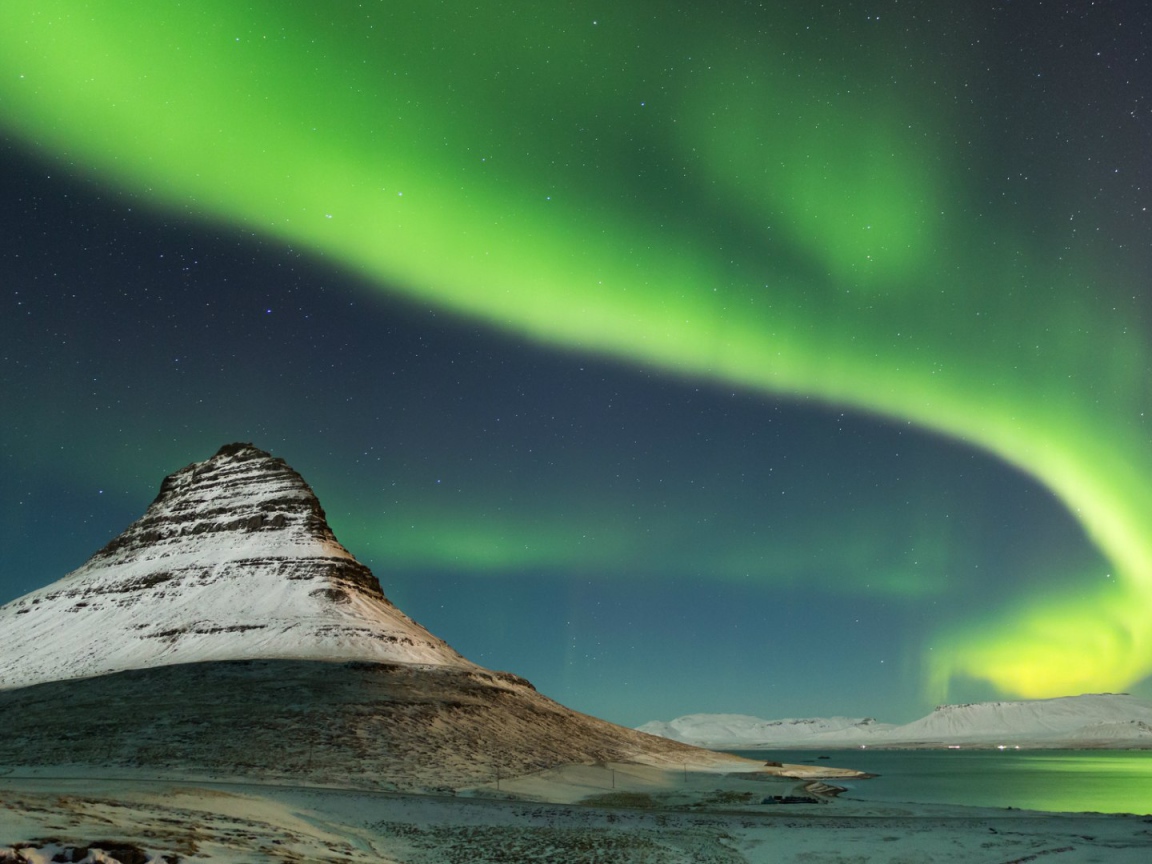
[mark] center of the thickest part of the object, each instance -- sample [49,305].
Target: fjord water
[1103,781]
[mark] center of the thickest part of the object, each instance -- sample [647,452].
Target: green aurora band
[705,193]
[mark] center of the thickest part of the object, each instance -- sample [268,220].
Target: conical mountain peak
[242,500]
[234,559]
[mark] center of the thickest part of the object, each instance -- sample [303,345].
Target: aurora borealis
[745,358]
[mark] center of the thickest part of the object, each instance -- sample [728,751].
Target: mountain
[227,633]
[738,731]
[233,560]
[1093,720]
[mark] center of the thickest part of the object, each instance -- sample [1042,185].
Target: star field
[772,360]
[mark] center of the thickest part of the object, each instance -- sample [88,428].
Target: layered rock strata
[233,560]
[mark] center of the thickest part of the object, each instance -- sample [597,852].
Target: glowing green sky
[849,206]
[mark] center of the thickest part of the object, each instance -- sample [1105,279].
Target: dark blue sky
[639,542]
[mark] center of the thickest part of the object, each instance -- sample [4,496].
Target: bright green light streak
[791,240]
[596,541]
[1046,647]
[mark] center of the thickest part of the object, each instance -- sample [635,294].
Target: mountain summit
[234,560]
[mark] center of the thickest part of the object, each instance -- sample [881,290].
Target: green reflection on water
[1104,781]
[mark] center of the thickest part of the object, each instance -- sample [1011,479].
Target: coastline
[576,813]
[1108,781]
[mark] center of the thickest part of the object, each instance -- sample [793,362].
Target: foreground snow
[667,817]
[1096,720]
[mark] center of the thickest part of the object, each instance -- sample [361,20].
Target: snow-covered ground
[1094,720]
[694,817]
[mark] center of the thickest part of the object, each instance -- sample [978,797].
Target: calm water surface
[1105,781]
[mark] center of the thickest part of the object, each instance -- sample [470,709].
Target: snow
[235,822]
[1091,720]
[1067,719]
[735,731]
[232,561]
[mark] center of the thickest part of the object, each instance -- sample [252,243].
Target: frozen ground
[627,813]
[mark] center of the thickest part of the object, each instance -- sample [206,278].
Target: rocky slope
[359,724]
[233,560]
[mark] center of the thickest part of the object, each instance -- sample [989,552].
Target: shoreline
[1092,780]
[699,818]
[982,746]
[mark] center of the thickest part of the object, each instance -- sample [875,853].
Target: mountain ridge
[1088,720]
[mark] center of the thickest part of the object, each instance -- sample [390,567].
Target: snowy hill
[233,560]
[1095,720]
[1075,720]
[740,731]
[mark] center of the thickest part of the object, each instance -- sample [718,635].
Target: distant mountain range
[1102,720]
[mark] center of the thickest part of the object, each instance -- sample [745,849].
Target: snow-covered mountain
[233,560]
[1089,720]
[227,633]
[1094,720]
[740,731]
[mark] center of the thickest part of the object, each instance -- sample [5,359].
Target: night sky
[788,359]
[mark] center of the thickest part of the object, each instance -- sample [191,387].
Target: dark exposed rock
[125,853]
[188,501]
